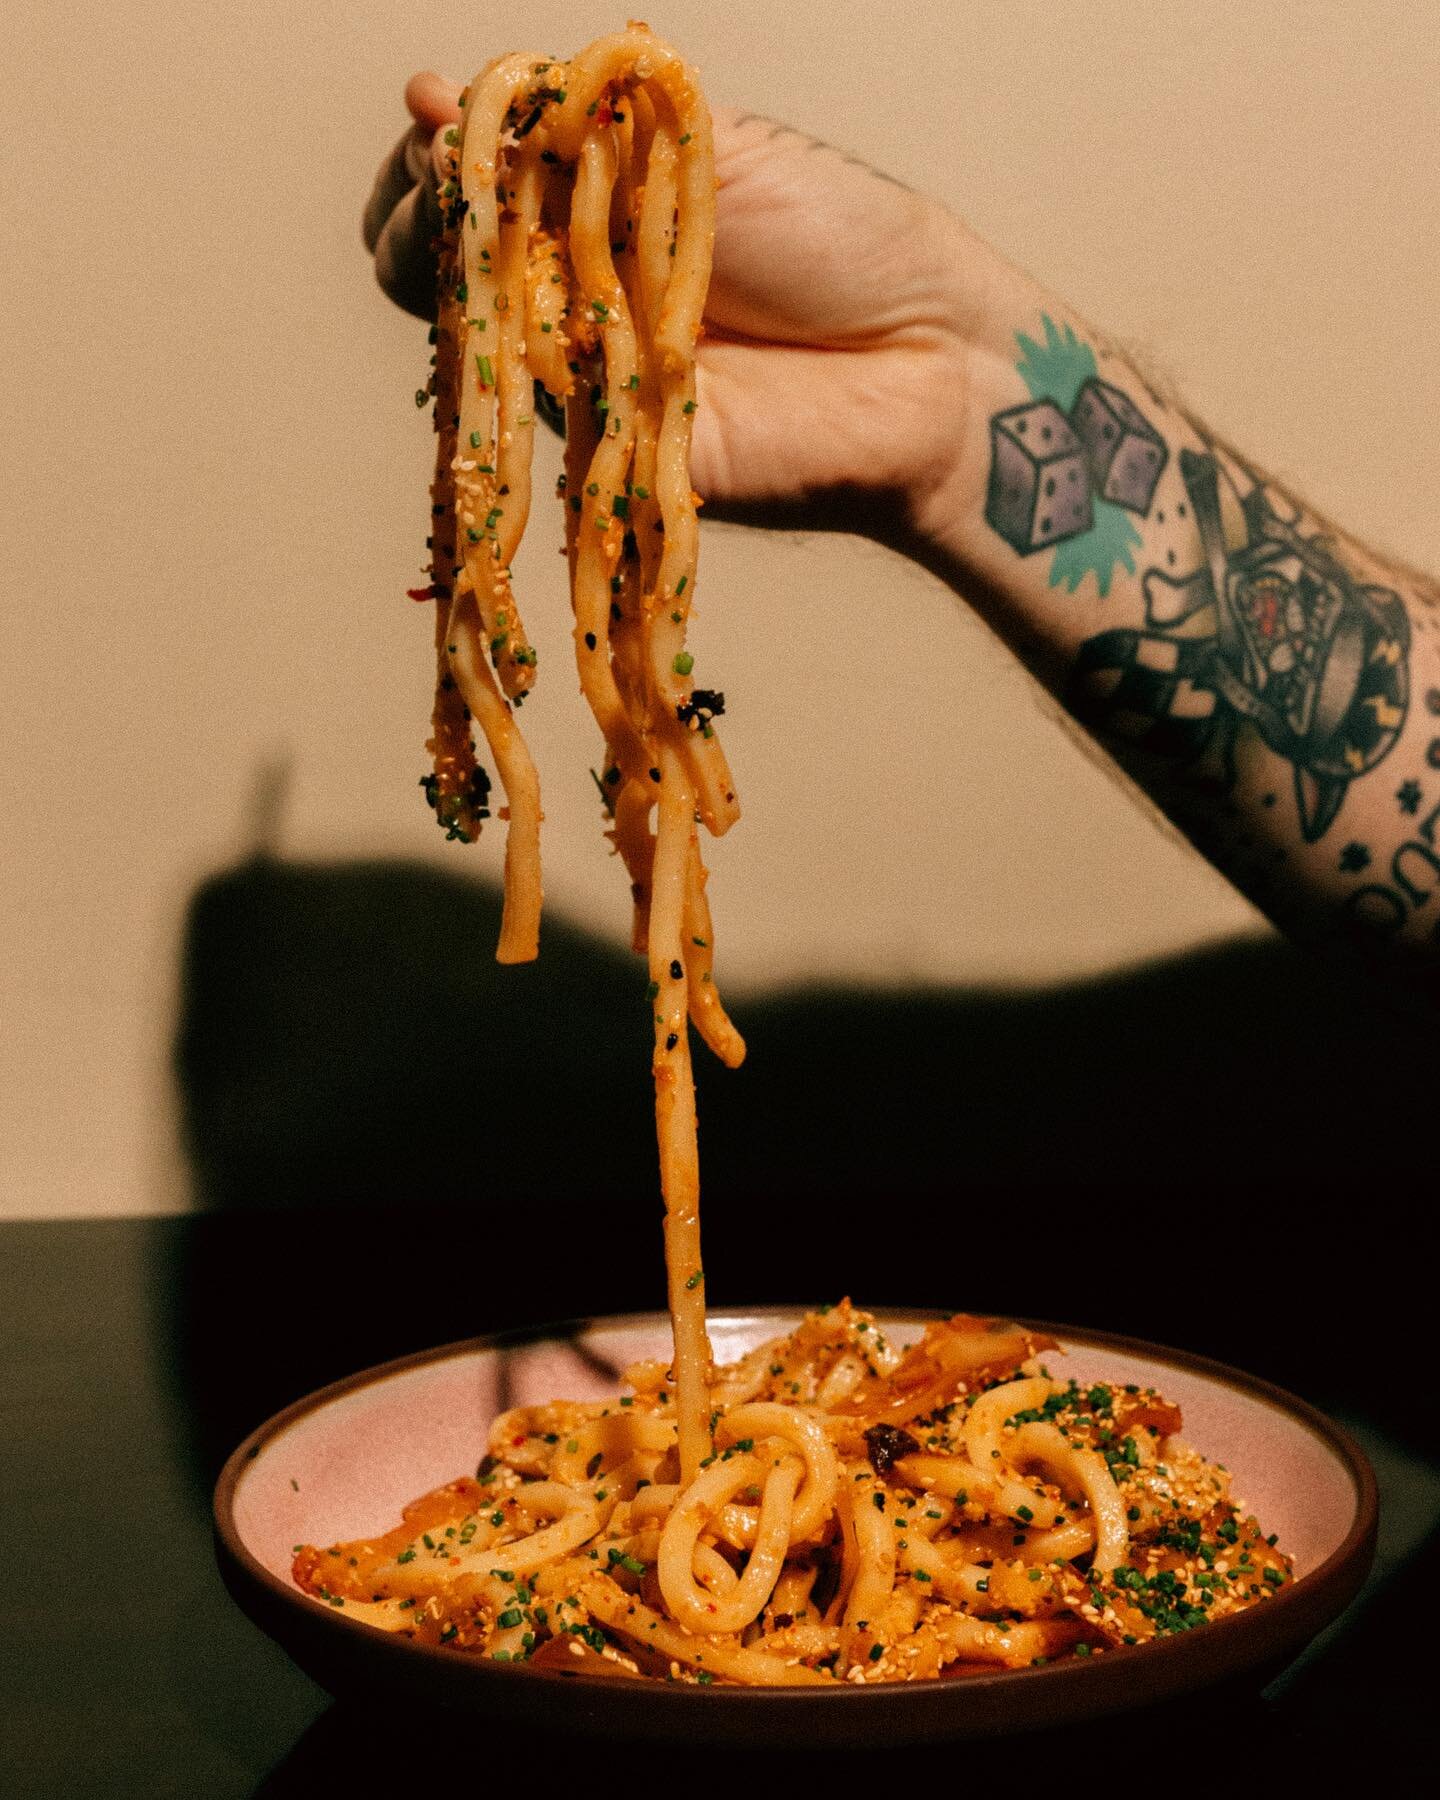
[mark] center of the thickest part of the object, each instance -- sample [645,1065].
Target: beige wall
[213,475]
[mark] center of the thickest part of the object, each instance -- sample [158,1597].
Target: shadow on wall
[1229,1150]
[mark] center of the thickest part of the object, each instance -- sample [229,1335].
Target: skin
[860,342]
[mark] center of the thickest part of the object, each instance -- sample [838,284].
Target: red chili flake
[518,1440]
[425,593]
[606,117]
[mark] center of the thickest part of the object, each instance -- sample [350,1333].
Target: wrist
[1058,477]
[977,301]
[992,305]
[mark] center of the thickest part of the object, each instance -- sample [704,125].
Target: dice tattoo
[1124,452]
[1039,478]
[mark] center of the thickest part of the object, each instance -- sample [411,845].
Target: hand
[833,373]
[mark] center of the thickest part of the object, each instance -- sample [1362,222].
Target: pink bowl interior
[345,1468]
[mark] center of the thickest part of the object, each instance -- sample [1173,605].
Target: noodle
[832,1508]
[579,218]
[875,1535]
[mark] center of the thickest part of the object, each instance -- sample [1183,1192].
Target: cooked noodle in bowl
[868,1514]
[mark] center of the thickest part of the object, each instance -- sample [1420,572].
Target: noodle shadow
[1223,1150]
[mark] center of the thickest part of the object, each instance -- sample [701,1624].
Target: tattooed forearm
[1271,633]
[1252,672]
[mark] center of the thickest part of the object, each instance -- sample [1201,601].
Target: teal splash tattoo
[1057,370]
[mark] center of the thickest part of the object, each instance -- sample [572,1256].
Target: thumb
[433,100]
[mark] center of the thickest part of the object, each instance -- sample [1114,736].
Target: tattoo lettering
[1386,906]
[1067,467]
[1273,636]
[1382,908]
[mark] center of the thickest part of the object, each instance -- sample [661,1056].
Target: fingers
[405,253]
[433,100]
[401,217]
[397,175]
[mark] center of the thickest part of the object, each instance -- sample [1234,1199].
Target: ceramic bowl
[343,1461]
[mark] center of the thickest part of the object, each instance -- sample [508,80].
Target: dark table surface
[127,1670]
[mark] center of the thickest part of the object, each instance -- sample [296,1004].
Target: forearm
[1272,685]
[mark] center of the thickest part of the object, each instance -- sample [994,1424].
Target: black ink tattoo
[1354,859]
[1275,635]
[1047,470]
[1382,908]
[779,129]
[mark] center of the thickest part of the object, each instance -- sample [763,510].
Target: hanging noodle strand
[579,220]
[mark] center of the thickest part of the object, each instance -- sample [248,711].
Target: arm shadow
[1227,1150]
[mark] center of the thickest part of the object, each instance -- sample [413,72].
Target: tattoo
[1068,469]
[779,129]
[1274,636]
[1385,906]
[1354,858]
[1256,638]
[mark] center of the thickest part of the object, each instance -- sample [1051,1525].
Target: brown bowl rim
[1248,1633]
